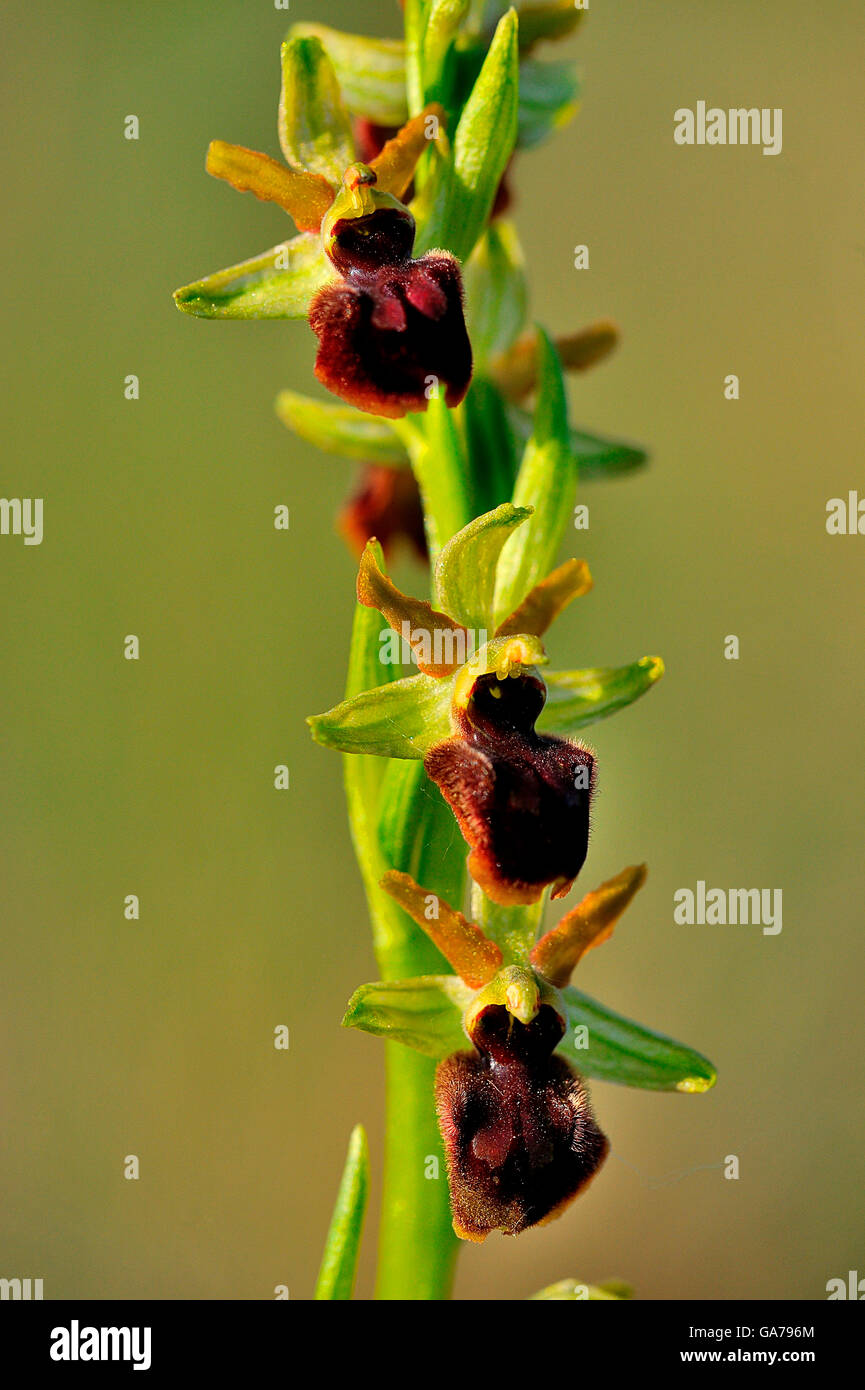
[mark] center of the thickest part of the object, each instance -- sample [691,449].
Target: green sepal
[629,1054]
[340,429]
[578,698]
[314,126]
[465,571]
[572,1291]
[596,456]
[547,479]
[496,292]
[549,99]
[482,145]
[401,720]
[424,1014]
[370,72]
[278,284]
[339,1263]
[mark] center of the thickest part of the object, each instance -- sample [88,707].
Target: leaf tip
[653,666]
[696,1085]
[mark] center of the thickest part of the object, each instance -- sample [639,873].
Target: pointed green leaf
[596,456]
[483,143]
[425,1013]
[339,1263]
[440,466]
[547,479]
[578,698]
[278,284]
[627,1053]
[465,571]
[549,99]
[496,291]
[340,429]
[370,72]
[314,126]
[401,720]
[572,1291]
[491,445]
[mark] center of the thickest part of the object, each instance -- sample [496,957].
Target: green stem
[417,1246]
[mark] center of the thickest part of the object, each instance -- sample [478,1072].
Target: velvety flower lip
[522,799]
[520,1137]
[392,330]
[385,344]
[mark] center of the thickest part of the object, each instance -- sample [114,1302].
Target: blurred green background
[155,1037]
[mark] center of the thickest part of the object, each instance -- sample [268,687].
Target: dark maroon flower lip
[520,1137]
[522,799]
[392,338]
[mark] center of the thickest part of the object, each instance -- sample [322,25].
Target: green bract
[339,1264]
[466,184]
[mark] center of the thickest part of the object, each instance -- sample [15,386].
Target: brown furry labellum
[520,1137]
[392,330]
[522,799]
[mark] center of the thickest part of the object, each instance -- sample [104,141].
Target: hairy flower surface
[521,798]
[392,329]
[519,1134]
